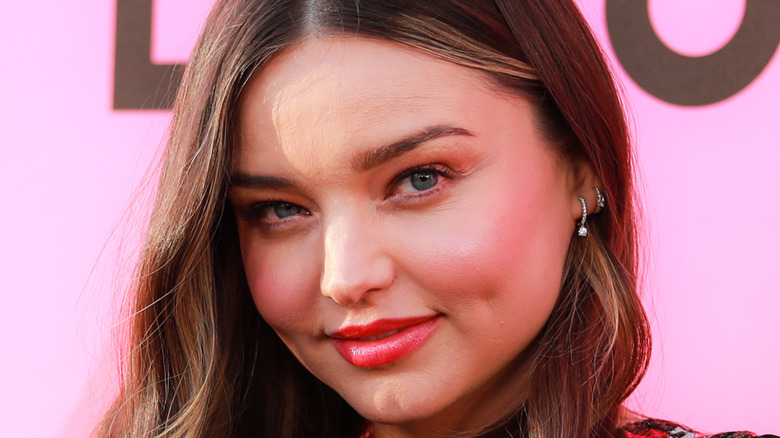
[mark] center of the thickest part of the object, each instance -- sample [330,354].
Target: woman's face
[403,226]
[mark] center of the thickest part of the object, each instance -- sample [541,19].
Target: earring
[601,201]
[582,231]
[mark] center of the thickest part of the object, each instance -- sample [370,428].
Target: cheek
[503,246]
[280,278]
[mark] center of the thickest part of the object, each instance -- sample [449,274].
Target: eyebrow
[383,154]
[363,162]
[261,181]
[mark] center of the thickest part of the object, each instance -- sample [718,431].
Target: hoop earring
[582,230]
[601,200]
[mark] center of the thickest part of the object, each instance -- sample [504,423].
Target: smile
[384,341]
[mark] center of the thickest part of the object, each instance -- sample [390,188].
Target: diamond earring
[601,201]
[582,231]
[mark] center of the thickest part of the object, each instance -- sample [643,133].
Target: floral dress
[651,428]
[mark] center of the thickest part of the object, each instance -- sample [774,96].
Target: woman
[390,218]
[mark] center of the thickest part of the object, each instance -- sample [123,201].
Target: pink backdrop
[69,164]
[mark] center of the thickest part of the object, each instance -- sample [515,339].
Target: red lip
[359,347]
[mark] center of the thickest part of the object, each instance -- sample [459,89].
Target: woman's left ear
[587,188]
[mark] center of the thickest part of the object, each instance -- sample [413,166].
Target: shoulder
[651,428]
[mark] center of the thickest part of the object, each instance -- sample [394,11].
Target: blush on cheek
[492,251]
[459,259]
[280,287]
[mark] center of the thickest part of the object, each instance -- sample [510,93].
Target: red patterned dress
[651,428]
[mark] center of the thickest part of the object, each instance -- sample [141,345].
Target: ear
[583,185]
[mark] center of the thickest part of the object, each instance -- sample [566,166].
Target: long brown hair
[202,362]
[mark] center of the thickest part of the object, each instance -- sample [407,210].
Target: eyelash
[255,212]
[439,170]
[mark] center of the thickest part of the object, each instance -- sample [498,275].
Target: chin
[394,408]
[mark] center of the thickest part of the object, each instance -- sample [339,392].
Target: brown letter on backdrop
[667,75]
[138,83]
[691,81]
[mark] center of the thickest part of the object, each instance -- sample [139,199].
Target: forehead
[341,67]
[330,95]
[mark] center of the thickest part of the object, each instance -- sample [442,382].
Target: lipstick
[384,341]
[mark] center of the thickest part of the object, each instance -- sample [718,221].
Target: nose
[354,260]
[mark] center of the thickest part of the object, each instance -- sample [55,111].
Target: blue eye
[285,209]
[423,179]
[421,182]
[273,213]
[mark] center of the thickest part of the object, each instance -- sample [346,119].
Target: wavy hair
[201,361]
